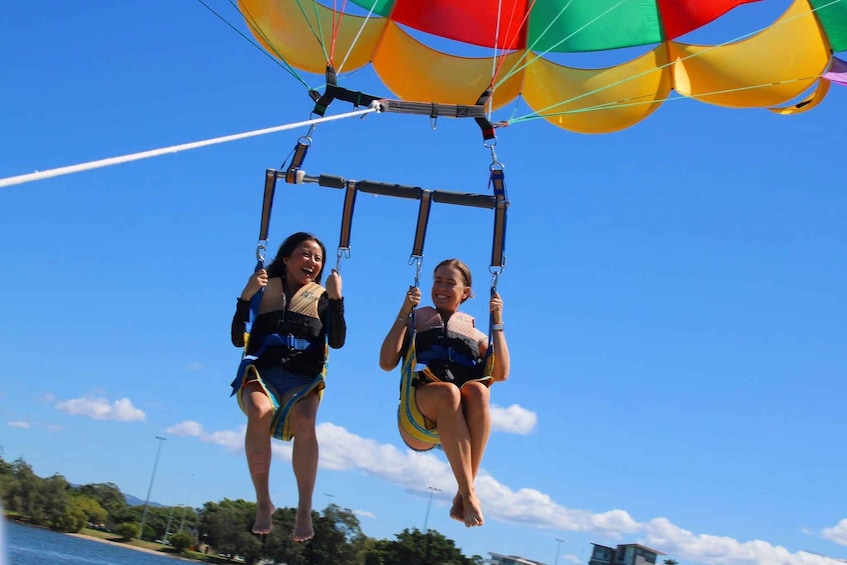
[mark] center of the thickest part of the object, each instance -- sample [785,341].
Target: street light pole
[150,488]
[432,490]
[329,498]
[558,547]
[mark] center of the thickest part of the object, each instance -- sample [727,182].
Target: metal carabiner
[307,139]
[260,250]
[418,261]
[342,252]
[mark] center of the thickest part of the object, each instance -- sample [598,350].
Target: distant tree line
[220,527]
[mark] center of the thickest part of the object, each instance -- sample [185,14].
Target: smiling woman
[446,377]
[281,378]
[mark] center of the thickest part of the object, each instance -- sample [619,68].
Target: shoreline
[133,547]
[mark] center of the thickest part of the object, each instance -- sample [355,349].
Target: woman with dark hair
[296,319]
[451,391]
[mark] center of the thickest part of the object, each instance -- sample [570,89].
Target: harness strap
[423,220]
[498,244]
[347,215]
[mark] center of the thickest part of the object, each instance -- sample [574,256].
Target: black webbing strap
[498,244]
[432,109]
[267,204]
[483,122]
[300,151]
[423,220]
[347,216]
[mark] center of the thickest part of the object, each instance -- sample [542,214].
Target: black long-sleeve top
[307,362]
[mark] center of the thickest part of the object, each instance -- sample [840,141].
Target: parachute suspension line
[279,60]
[358,35]
[508,37]
[336,26]
[39,175]
[529,48]
[494,58]
[318,35]
[519,67]
[624,104]
[543,111]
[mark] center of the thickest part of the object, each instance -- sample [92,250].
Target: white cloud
[837,533]
[100,408]
[232,441]
[342,450]
[188,428]
[364,513]
[54,427]
[195,366]
[572,558]
[19,424]
[514,419]
[48,397]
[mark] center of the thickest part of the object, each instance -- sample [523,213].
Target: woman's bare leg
[442,403]
[257,446]
[304,460]
[475,406]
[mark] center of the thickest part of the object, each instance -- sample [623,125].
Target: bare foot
[457,511]
[264,518]
[472,511]
[303,526]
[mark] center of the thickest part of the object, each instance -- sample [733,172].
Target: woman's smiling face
[304,264]
[449,289]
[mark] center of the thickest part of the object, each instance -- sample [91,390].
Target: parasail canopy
[772,68]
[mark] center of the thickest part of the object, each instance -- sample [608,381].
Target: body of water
[26,545]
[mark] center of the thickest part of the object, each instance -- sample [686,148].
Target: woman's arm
[239,321]
[335,322]
[392,345]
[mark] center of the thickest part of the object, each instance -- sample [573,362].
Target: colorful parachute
[769,69]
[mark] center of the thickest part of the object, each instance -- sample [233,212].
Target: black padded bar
[329,181]
[267,204]
[464,199]
[386,189]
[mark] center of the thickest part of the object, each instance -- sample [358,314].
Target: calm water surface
[26,545]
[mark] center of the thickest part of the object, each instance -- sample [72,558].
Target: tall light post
[432,490]
[558,547]
[329,498]
[150,488]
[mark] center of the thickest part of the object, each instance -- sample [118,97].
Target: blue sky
[673,298]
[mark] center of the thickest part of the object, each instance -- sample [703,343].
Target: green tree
[53,497]
[338,537]
[223,523]
[94,513]
[107,495]
[128,530]
[181,541]
[414,547]
[22,495]
[74,517]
